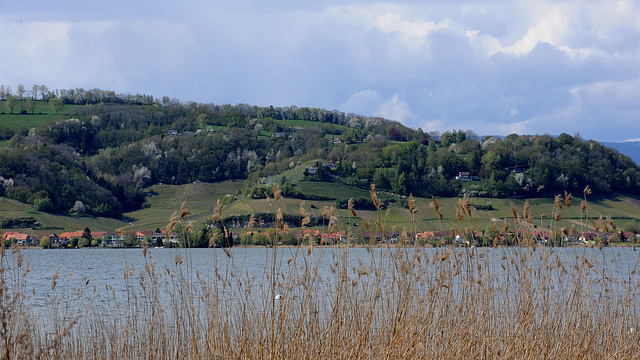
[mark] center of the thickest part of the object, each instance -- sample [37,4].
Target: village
[84,238]
[158,238]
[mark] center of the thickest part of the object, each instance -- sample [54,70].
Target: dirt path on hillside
[579,223]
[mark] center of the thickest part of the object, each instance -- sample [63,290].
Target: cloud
[395,109]
[489,66]
[362,102]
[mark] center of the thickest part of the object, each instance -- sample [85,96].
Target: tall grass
[400,302]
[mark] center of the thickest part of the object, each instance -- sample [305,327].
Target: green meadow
[41,115]
[201,199]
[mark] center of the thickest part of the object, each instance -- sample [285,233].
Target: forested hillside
[100,155]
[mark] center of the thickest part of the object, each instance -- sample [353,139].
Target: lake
[105,268]
[317,303]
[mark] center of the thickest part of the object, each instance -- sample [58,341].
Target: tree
[159,240]
[44,242]
[43,204]
[87,234]
[34,91]
[225,238]
[20,92]
[83,242]
[43,91]
[491,163]
[56,104]
[78,207]
[10,102]
[31,104]
[129,239]
[202,120]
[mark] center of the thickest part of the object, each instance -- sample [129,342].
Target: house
[311,170]
[516,169]
[429,235]
[161,238]
[112,240]
[142,235]
[68,235]
[20,238]
[387,236]
[172,132]
[11,235]
[98,234]
[588,236]
[337,141]
[329,165]
[464,176]
[541,236]
[312,233]
[53,239]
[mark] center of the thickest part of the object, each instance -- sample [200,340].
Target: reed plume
[374,197]
[567,199]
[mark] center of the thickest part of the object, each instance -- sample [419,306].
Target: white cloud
[490,66]
[395,109]
[362,102]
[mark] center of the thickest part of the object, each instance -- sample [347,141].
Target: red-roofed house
[20,238]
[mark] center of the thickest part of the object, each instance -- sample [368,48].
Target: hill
[114,155]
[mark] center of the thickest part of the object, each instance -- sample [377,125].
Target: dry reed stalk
[436,207]
[374,197]
[558,202]
[394,302]
[425,305]
[567,199]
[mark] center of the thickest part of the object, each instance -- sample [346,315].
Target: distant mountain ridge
[629,148]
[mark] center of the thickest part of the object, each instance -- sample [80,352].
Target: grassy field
[332,190]
[42,114]
[201,198]
[11,209]
[304,123]
[163,200]
[295,175]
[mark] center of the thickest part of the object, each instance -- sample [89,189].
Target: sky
[493,67]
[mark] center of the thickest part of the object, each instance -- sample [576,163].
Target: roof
[70,234]
[15,235]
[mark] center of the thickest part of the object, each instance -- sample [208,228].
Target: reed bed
[397,302]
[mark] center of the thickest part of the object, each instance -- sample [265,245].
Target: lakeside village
[158,238]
